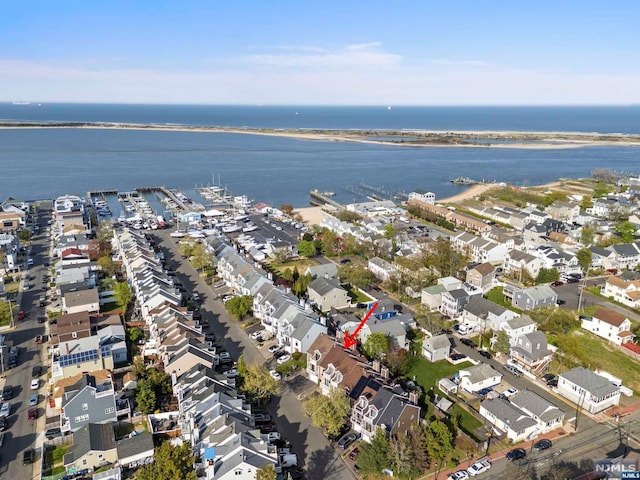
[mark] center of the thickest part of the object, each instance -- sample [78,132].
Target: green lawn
[56,455]
[111,307]
[427,374]
[496,296]
[302,264]
[357,296]
[468,422]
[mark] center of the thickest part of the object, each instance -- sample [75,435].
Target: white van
[465,329]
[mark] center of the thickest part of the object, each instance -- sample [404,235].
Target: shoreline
[429,138]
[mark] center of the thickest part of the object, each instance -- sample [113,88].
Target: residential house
[81,301]
[546,414]
[432,296]
[563,211]
[70,326]
[625,292]
[87,401]
[627,255]
[533,297]
[324,270]
[481,276]
[327,293]
[603,258]
[136,450]
[531,352]
[480,249]
[394,414]
[454,301]
[485,314]
[332,367]
[479,376]
[516,262]
[87,354]
[381,269]
[610,325]
[10,221]
[516,327]
[588,390]
[423,196]
[436,348]
[94,445]
[390,326]
[508,418]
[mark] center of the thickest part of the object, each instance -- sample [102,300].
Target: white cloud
[363,46]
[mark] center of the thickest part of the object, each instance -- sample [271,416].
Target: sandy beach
[436,139]
[471,192]
[310,215]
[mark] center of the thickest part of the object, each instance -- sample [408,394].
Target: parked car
[468,342]
[542,445]
[560,302]
[513,370]
[21,315]
[344,429]
[267,428]
[485,391]
[274,374]
[7,393]
[260,418]
[459,475]
[39,339]
[511,392]
[478,468]
[257,334]
[233,373]
[35,384]
[354,453]
[516,454]
[347,440]
[283,359]
[274,348]
[553,382]
[33,399]
[5,409]
[485,354]
[32,414]
[548,377]
[35,371]
[557,284]
[53,433]
[3,424]
[28,456]
[572,280]
[457,356]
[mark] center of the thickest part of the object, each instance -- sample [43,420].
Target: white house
[478,377]
[436,348]
[427,197]
[588,390]
[505,416]
[546,414]
[610,325]
[381,269]
[625,292]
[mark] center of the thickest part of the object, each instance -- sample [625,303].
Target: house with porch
[531,352]
[508,418]
[94,445]
[477,377]
[87,401]
[516,262]
[547,416]
[484,314]
[588,390]
[623,291]
[610,325]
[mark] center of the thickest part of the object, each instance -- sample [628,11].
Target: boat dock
[317,198]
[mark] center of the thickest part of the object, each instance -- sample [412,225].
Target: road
[316,454]
[22,433]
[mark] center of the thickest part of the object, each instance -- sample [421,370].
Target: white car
[274,348]
[5,410]
[35,384]
[283,359]
[275,375]
[459,475]
[233,373]
[478,468]
[511,392]
[257,334]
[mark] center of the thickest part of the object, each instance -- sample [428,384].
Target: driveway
[315,453]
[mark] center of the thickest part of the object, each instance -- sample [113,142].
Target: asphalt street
[320,459]
[22,433]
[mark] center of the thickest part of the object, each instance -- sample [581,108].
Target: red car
[39,339]
[21,315]
[268,428]
[32,413]
[354,453]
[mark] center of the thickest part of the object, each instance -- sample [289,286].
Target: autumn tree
[170,463]
[445,259]
[286,208]
[258,383]
[300,285]
[105,231]
[376,346]
[432,320]
[239,307]
[502,345]
[555,321]
[266,472]
[355,275]
[401,456]
[328,413]
[98,247]
[587,234]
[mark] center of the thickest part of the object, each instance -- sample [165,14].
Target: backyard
[54,459]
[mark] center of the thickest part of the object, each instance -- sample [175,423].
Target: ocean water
[44,163]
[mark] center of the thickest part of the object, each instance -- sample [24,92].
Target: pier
[318,199]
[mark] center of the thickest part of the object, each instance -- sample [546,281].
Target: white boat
[177,234]
[196,234]
[250,228]
[231,228]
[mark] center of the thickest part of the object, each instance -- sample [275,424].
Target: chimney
[413,398]
[376,366]
[384,372]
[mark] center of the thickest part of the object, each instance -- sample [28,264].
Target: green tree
[145,396]
[444,259]
[626,230]
[331,243]
[377,346]
[308,237]
[547,275]
[266,472]
[187,247]
[301,284]
[375,456]
[587,234]
[105,231]
[240,307]
[433,321]
[585,257]
[552,197]
[306,248]
[5,313]
[501,344]
[170,463]
[134,334]
[390,231]
[123,295]
[356,275]
[24,235]
[328,413]
[555,321]
[108,266]
[258,383]
[586,202]
[439,441]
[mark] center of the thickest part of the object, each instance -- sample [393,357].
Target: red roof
[72,252]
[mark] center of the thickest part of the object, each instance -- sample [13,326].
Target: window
[85,406]
[84,461]
[74,334]
[81,418]
[109,410]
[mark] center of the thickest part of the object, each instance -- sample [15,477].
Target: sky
[420,52]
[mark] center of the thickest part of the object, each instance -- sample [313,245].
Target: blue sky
[331,52]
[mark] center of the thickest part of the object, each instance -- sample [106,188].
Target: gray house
[532,297]
[327,293]
[87,402]
[548,416]
[436,348]
[325,270]
[531,351]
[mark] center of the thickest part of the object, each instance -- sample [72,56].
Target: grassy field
[426,374]
[357,296]
[468,422]
[111,307]
[496,296]
[302,264]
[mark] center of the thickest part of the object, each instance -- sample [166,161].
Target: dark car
[553,382]
[457,356]
[53,433]
[7,393]
[268,428]
[344,429]
[572,280]
[548,377]
[560,302]
[516,454]
[345,260]
[485,354]
[42,319]
[32,414]
[3,424]
[28,456]
[485,391]
[542,445]
[347,440]
[35,371]
[557,284]
[468,342]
